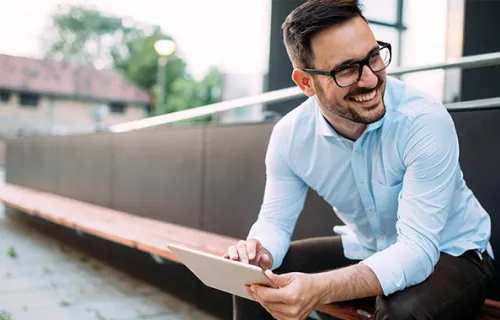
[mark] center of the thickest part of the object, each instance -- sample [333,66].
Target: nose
[368,78]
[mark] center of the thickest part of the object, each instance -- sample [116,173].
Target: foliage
[4,315]
[11,252]
[88,36]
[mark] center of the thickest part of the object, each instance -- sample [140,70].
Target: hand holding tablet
[222,273]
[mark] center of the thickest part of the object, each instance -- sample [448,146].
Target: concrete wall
[60,114]
[182,175]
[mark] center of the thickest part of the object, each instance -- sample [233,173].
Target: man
[387,159]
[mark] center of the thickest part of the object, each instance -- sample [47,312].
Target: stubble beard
[348,110]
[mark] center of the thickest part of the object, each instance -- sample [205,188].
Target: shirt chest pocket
[386,197]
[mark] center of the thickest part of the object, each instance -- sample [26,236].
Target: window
[4,96]
[28,100]
[117,107]
[381,10]
[391,35]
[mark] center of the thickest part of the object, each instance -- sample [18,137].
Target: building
[40,97]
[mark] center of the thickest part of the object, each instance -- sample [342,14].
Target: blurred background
[76,75]
[82,65]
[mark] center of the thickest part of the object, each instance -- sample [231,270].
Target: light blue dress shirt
[398,189]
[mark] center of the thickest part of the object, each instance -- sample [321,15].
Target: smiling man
[386,158]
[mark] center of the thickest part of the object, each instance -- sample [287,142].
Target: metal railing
[482,60]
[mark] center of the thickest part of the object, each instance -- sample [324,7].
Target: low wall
[207,177]
[211,177]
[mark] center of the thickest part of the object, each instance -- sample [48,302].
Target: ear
[304,81]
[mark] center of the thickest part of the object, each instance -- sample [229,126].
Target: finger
[268,295]
[281,280]
[242,251]
[226,255]
[233,253]
[265,262]
[252,248]
[250,292]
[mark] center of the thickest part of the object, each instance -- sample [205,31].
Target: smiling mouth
[366,98]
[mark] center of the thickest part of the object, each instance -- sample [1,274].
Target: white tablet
[220,273]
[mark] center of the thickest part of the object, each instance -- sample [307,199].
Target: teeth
[365,97]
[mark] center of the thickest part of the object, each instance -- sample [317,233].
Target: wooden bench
[151,235]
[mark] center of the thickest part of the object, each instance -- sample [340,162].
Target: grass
[64,303]
[97,314]
[12,252]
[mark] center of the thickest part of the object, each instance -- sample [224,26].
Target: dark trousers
[455,290]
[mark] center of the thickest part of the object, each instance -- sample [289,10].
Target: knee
[394,309]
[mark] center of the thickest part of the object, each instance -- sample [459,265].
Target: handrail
[476,61]
[271,96]
[474,104]
[481,60]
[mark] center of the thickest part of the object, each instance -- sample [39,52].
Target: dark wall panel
[235,181]
[34,163]
[234,177]
[85,173]
[280,67]
[481,25]
[16,168]
[479,133]
[157,174]
[46,160]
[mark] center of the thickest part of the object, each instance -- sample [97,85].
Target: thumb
[281,280]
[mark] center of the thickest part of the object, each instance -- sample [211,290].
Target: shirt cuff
[270,242]
[387,270]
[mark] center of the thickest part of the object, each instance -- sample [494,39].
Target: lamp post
[164,48]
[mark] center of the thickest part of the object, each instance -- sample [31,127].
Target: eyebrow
[348,62]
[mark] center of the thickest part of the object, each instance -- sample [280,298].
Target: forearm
[353,282]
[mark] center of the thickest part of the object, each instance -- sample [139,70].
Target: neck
[346,128]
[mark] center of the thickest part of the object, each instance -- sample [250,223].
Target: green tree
[86,35]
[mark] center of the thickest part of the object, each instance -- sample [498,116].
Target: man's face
[351,41]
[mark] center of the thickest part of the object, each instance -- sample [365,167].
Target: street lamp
[164,48]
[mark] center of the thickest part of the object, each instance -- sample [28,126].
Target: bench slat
[127,229]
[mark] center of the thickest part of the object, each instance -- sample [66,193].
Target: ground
[42,278]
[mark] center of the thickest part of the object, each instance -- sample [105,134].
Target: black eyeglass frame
[361,63]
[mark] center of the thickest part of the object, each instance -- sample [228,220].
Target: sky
[230,34]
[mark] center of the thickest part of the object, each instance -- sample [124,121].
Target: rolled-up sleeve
[284,197]
[430,154]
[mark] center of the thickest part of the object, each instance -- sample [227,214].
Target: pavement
[43,279]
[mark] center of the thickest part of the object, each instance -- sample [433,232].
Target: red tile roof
[68,80]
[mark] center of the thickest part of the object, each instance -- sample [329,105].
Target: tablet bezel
[249,274]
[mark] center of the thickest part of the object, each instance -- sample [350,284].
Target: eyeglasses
[349,74]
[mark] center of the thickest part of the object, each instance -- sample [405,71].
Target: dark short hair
[307,20]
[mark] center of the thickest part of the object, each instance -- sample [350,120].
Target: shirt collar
[323,128]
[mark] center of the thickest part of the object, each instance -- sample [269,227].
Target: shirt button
[362,184]
[370,212]
[356,154]
[381,237]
